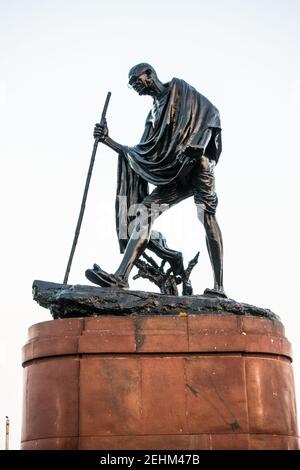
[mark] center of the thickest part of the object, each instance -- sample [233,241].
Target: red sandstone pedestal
[164,382]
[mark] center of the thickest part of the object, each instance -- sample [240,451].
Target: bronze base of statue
[67,301]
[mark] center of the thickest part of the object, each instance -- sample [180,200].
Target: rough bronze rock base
[196,382]
[67,301]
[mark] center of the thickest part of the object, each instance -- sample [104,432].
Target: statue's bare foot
[216,293]
[102,278]
[187,287]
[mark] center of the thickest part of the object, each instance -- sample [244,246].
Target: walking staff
[85,193]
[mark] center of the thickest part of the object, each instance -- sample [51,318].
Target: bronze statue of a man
[178,151]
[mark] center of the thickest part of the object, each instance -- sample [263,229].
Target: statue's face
[142,84]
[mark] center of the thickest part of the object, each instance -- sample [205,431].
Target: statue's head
[142,78]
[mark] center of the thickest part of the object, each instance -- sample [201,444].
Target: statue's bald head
[138,69]
[143,79]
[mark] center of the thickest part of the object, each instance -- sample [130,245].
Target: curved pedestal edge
[167,442]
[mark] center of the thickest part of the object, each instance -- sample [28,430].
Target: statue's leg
[161,199]
[135,246]
[214,244]
[206,201]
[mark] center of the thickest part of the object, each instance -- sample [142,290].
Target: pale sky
[58,59]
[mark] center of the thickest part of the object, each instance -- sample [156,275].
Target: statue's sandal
[215,293]
[104,279]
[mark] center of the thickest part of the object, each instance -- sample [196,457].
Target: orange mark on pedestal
[183,314]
